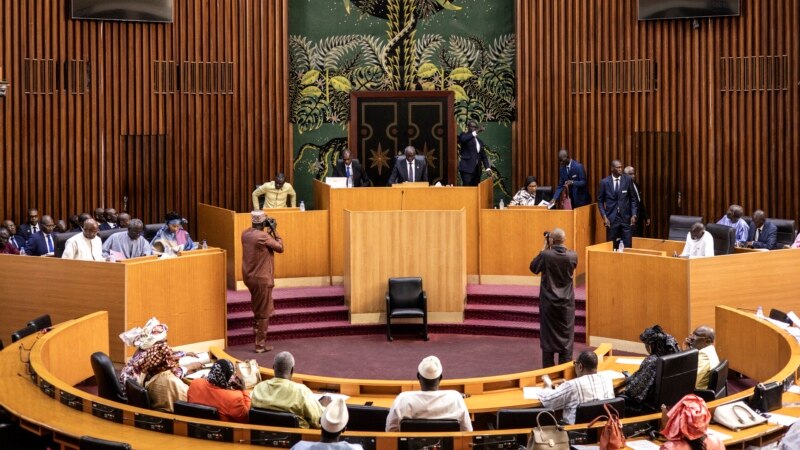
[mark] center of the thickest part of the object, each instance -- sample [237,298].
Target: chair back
[2,346]
[60,242]
[22,332]
[366,418]
[509,419]
[780,316]
[676,375]
[718,381]
[274,418]
[426,425]
[195,410]
[679,226]
[586,412]
[724,238]
[787,231]
[41,322]
[108,385]
[545,192]
[405,292]
[104,234]
[137,394]
[90,443]
[151,229]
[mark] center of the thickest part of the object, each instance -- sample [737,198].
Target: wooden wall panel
[165,115]
[737,145]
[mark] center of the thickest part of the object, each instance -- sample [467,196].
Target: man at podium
[410,168]
[351,169]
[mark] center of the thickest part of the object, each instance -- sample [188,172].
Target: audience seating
[269,417]
[367,418]
[2,346]
[787,231]
[724,238]
[104,234]
[90,443]
[509,419]
[546,192]
[679,226]
[195,410]
[676,375]
[151,229]
[428,425]
[717,383]
[137,394]
[41,322]
[406,299]
[780,316]
[108,385]
[21,333]
[60,242]
[586,412]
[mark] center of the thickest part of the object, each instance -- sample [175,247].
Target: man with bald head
[763,234]
[733,219]
[123,219]
[699,242]
[277,194]
[111,217]
[619,205]
[42,243]
[409,168]
[100,216]
[556,264]
[5,246]
[350,168]
[85,246]
[571,181]
[16,240]
[702,339]
[126,245]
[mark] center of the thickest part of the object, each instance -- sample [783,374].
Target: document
[642,444]
[202,358]
[778,323]
[532,392]
[721,436]
[199,374]
[630,361]
[585,447]
[781,419]
[331,395]
[612,374]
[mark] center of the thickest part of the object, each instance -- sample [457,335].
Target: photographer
[259,245]
[556,265]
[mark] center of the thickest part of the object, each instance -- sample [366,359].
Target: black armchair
[428,425]
[676,375]
[137,394]
[724,238]
[22,332]
[787,231]
[273,418]
[90,443]
[679,226]
[509,419]
[780,316]
[405,299]
[197,410]
[545,193]
[151,229]
[108,385]
[41,322]
[587,412]
[717,383]
[367,418]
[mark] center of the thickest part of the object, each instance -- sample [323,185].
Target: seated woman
[222,389]
[527,195]
[639,385]
[172,239]
[687,426]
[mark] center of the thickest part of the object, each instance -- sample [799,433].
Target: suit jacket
[19,240]
[470,157]
[400,174]
[579,192]
[768,238]
[357,173]
[37,246]
[642,216]
[24,230]
[107,226]
[620,204]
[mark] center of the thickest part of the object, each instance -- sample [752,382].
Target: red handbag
[611,436]
[566,203]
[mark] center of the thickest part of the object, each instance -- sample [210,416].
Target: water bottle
[502,204]
[760,312]
[302,206]
[204,246]
[621,247]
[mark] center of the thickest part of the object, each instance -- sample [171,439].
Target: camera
[271,223]
[547,234]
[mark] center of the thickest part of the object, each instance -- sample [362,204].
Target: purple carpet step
[489,294]
[500,328]
[240,300]
[244,319]
[293,331]
[512,313]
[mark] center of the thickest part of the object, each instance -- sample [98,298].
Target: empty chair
[108,385]
[151,229]
[787,231]
[679,226]
[137,394]
[508,419]
[427,425]
[41,322]
[367,418]
[21,333]
[406,299]
[717,383]
[90,443]
[676,375]
[269,417]
[195,410]
[724,238]
[586,412]
[780,316]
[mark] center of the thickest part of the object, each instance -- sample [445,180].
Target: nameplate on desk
[495,442]
[425,443]
[367,443]
[210,432]
[107,412]
[153,423]
[73,401]
[47,388]
[274,439]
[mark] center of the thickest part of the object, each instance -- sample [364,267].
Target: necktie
[35,228]
[616,184]
[410,172]
[50,248]
[14,242]
[347,171]
[758,233]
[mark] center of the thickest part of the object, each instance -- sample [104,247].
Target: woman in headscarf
[527,195]
[222,390]
[658,343]
[172,239]
[687,425]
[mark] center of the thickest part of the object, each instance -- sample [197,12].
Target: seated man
[99,216]
[128,245]
[589,386]
[42,242]
[410,168]
[277,194]
[703,340]
[350,168]
[763,234]
[31,227]
[282,394]
[430,402]
[16,240]
[6,247]
[111,219]
[85,246]
[733,219]
[334,422]
[699,242]
[123,219]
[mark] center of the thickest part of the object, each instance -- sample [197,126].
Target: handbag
[737,416]
[550,437]
[249,373]
[611,435]
[566,203]
[767,397]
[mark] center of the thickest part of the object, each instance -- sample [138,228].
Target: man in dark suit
[410,168]
[27,229]
[763,233]
[473,152]
[643,220]
[43,242]
[15,240]
[350,168]
[111,220]
[572,176]
[618,205]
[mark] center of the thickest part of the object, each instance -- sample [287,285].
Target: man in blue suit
[618,205]
[410,168]
[16,240]
[473,154]
[42,242]
[27,229]
[571,176]
[763,233]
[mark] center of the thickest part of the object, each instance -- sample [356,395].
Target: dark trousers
[620,229]
[548,358]
[471,179]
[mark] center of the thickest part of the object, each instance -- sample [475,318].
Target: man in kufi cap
[334,422]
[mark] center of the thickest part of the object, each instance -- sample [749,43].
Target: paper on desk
[532,392]
[720,435]
[202,358]
[794,389]
[612,374]
[793,317]
[777,323]
[585,447]
[198,374]
[629,361]
[781,419]
[642,444]
[332,395]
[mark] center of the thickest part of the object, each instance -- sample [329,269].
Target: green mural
[339,46]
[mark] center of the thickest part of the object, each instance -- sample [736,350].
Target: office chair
[545,193]
[427,425]
[137,394]
[676,375]
[787,231]
[41,322]
[406,299]
[90,443]
[724,238]
[679,226]
[60,242]
[104,234]
[21,333]
[274,418]
[780,316]
[151,229]
[108,385]
[586,412]
[509,419]
[367,418]
[717,383]
[195,410]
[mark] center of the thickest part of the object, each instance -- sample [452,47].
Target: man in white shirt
[699,242]
[430,402]
[85,246]
[334,422]
[589,386]
[703,340]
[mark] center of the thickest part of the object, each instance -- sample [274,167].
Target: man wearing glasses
[588,386]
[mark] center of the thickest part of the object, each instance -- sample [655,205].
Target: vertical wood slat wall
[168,115]
[728,87]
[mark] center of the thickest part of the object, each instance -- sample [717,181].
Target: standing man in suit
[763,233]
[473,152]
[618,205]
[350,168]
[26,230]
[42,243]
[644,219]
[16,240]
[572,177]
[410,168]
